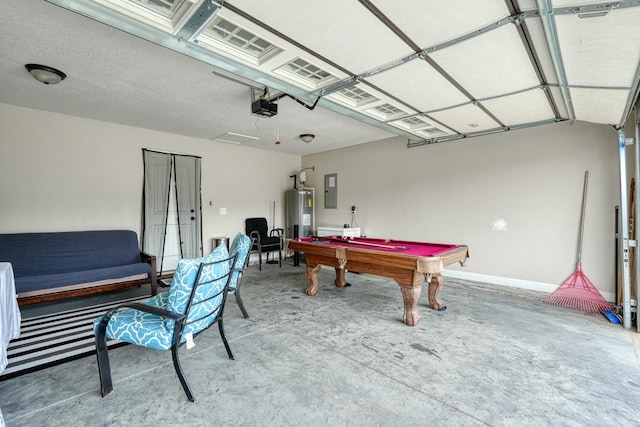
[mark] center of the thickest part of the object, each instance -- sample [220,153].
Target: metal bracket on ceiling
[590,11]
[199,18]
[593,10]
[519,19]
[259,94]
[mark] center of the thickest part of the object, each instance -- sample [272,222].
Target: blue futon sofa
[50,266]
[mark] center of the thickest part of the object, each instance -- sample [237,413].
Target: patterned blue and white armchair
[241,246]
[194,302]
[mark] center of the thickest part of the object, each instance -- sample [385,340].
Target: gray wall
[60,172]
[455,192]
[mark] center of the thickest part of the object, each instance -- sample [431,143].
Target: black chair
[263,240]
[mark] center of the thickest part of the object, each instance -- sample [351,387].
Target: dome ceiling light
[45,74]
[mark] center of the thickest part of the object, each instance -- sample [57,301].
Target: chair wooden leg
[224,339]
[102,353]
[178,368]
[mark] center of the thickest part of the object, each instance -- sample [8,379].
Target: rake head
[578,293]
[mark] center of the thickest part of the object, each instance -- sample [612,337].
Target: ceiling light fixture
[307,137]
[45,74]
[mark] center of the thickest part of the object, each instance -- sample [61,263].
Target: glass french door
[172,217]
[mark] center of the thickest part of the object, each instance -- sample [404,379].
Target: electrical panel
[331,191]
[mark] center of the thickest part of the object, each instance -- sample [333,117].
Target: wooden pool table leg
[312,274]
[434,287]
[341,280]
[410,296]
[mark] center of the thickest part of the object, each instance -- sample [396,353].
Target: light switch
[223,211]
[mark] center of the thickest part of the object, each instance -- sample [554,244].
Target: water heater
[299,210]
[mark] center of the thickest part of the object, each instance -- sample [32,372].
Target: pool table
[408,263]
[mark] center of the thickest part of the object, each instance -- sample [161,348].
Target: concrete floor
[498,356]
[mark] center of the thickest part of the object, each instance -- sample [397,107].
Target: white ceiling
[449,69]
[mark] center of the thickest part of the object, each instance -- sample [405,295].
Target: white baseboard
[514,283]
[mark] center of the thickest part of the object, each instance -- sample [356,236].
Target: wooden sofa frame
[94,287]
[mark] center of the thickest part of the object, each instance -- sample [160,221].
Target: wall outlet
[223,211]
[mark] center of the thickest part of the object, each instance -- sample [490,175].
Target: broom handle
[584,205]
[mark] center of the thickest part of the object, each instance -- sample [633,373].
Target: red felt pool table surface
[409,263]
[384,245]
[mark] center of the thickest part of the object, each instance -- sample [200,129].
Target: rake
[577,292]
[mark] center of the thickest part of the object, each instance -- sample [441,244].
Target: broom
[577,292]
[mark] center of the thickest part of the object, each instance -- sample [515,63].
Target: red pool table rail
[396,246]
